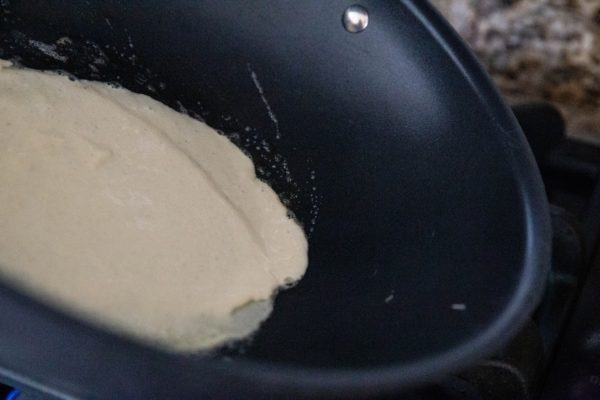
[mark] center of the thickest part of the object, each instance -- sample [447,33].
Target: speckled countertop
[538,50]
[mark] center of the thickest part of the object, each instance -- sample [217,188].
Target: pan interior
[416,221]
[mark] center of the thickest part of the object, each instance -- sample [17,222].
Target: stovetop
[556,356]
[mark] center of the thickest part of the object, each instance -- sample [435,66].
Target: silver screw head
[355,18]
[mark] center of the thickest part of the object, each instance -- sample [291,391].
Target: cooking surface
[414,206]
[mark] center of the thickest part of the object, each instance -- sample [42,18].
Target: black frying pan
[425,213]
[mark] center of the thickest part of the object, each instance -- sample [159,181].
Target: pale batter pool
[135,216]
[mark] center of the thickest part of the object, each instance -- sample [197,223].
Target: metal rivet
[355,18]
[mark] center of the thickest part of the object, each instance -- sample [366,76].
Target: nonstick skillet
[425,213]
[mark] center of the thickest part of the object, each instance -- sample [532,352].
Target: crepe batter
[135,216]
